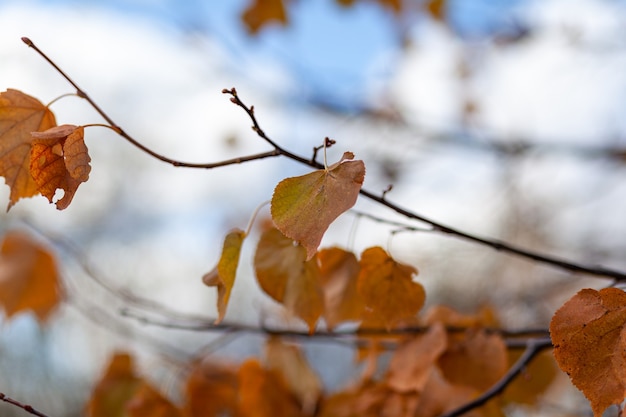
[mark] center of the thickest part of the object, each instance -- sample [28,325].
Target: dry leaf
[263,393]
[20,115]
[387,287]
[284,274]
[115,389]
[147,401]
[223,275]
[339,272]
[262,12]
[589,344]
[211,390]
[414,360]
[29,280]
[534,379]
[303,207]
[302,380]
[59,160]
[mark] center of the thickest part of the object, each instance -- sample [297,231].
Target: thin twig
[596,271]
[533,347]
[81,93]
[28,408]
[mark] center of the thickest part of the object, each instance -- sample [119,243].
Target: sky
[157,68]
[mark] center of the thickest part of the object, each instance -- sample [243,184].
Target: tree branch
[500,246]
[28,408]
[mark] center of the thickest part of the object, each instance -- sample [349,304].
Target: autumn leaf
[589,344]
[263,393]
[302,380]
[437,9]
[211,390]
[414,360]
[29,280]
[303,207]
[147,401]
[59,160]
[262,12]
[284,274]
[115,389]
[534,379]
[387,287]
[20,114]
[223,275]
[339,272]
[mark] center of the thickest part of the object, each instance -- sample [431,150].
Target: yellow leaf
[289,361]
[223,275]
[261,12]
[590,344]
[20,115]
[339,271]
[284,274]
[29,279]
[303,207]
[387,287]
[59,160]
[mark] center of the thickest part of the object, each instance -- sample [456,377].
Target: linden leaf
[413,362]
[263,393]
[20,114]
[29,279]
[589,343]
[339,271]
[303,207]
[261,12]
[387,287]
[223,275]
[289,361]
[284,274]
[211,390]
[115,389]
[59,160]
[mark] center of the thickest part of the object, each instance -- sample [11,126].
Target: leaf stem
[254,216]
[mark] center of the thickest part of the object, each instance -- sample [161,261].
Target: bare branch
[28,408]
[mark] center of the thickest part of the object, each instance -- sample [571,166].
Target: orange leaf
[20,115]
[59,160]
[303,207]
[284,274]
[534,380]
[589,344]
[147,401]
[116,387]
[263,393]
[339,271]
[261,12]
[437,9]
[440,396]
[413,362]
[211,390]
[289,361]
[223,275]
[29,279]
[387,287]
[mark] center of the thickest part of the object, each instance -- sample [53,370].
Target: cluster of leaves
[260,13]
[431,371]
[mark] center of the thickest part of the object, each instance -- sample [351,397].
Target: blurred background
[504,118]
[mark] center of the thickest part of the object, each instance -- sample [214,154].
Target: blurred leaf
[149,402]
[387,287]
[59,160]
[211,390]
[223,275]
[303,207]
[20,114]
[262,12]
[339,272]
[284,274]
[29,280]
[114,389]
[590,345]
[302,380]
